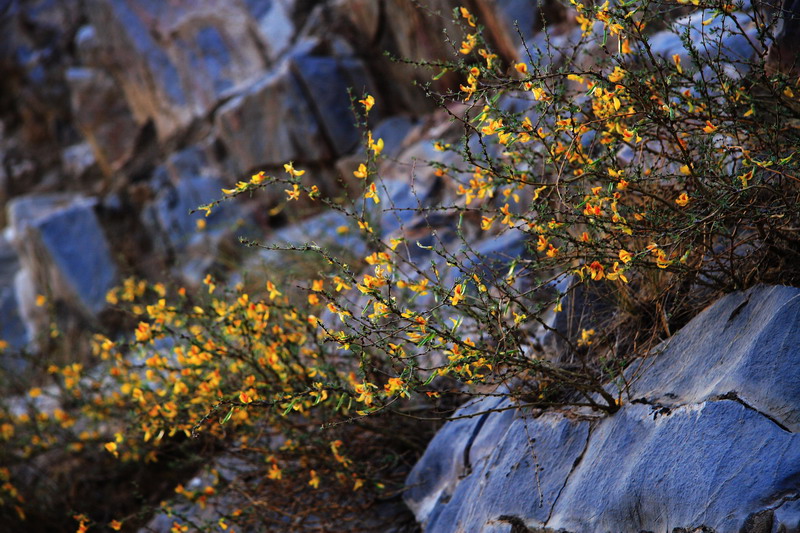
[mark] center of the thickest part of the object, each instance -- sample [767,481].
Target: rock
[103,117]
[77,159]
[639,466]
[783,55]
[168,217]
[275,24]
[522,14]
[62,245]
[502,466]
[271,123]
[326,82]
[720,41]
[12,327]
[756,332]
[177,60]
[714,414]
[394,131]
[322,230]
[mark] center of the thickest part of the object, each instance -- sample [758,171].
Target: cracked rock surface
[708,443]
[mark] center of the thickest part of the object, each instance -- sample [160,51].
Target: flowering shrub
[640,184]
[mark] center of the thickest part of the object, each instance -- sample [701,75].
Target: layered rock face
[706,440]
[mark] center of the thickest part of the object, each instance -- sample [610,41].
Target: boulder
[276,26]
[783,55]
[706,441]
[102,116]
[62,245]
[271,123]
[176,61]
[12,328]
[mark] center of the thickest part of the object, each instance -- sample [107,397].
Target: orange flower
[596,270]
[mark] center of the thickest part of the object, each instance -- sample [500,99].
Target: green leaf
[430,378]
[291,404]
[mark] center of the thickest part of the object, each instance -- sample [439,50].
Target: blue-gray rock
[746,344]
[708,439]
[730,40]
[710,464]
[504,467]
[522,14]
[168,216]
[272,123]
[63,245]
[275,24]
[176,61]
[783,55]
[325,82]
[12,328]
[320,230]
[103,117]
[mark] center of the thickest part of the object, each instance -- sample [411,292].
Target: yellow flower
[709,128]
[293,193]
[682,200]
[596,270]
[467,15]
[458,294]
[617,75]
[111,447]
[317,285]
[747,176]
[522,68]
[245,398]
[289,168]
[375,146]
[314,479]
[367,102]
[624,256]
[373,193]
[685,170]
[616,273]
[586,337]
[677,59]
[469,44]
[274,472]
[116,525]
[361,173]
[257,179]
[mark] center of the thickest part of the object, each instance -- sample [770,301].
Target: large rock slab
[743,346]
[271,123]
[711,464]
[298,112]
[62,245]
[103,117]
[177,60]
[12,327]
[708,439]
